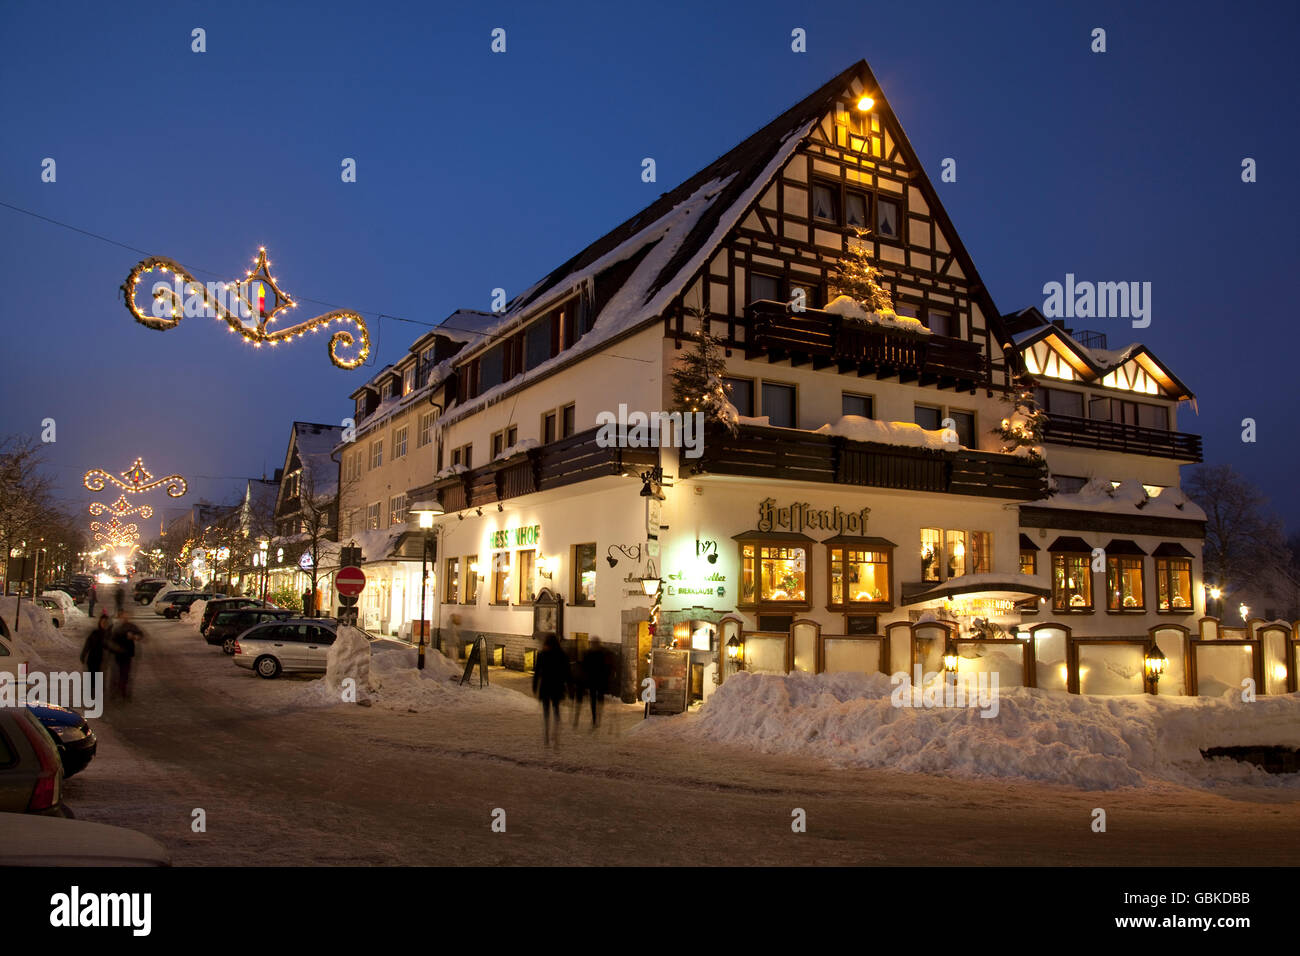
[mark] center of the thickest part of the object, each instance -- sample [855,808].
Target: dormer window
[408,381]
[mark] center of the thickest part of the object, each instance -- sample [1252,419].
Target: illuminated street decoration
[244,306]
[135,480]
[121,508]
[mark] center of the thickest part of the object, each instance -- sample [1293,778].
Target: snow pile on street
[1094,743]
[36,631]
[386,677]
[857,428]
[851,308]
[194,615]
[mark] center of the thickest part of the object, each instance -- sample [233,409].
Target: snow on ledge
[851,308]
[857,428]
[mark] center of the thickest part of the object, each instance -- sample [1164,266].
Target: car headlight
[68,734]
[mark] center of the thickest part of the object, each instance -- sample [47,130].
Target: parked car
[165,595]
[27,840]
[219,604]
[177,603]
[55,609]
[228,625]
[295,645]
[31,774]
[72,735]
[145,591]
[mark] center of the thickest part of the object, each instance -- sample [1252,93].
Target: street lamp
[1154,663]
[425,511]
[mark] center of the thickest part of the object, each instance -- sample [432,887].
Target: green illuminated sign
[515,537]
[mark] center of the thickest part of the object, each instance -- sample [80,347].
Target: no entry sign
[350,581]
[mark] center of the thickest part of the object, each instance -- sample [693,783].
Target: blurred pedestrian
[119,595]
[595,677]
[92,653]
[121,642]
[550,680]
[93,594]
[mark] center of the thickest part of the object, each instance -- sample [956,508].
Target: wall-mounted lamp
[736,652]
[631,552]
[1154,663]
[650,483]
[479,512]
[950,657]
[545,566]
[500,507]
[650,582]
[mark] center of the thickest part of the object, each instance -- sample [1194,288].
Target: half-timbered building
[828,531]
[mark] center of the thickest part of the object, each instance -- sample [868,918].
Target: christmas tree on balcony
[698,382]
[1023,428]
[860,295]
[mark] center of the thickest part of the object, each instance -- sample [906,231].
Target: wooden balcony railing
[824,339]
[1115,436]
[783,454]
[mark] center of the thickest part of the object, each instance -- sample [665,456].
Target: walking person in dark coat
[550,679]
[118,597]
[90,612]
[92,653]
[595,677]
[121,642]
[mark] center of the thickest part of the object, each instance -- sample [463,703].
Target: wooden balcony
[784,454]
[564,462]
[825,339]
[1114,436]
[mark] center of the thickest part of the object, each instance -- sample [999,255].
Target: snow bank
[851,308]
[1094,743]
[857,428]
[36,631]
[386,677]
[194,615]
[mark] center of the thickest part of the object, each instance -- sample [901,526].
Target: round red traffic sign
[350,581]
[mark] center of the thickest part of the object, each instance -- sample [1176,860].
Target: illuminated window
[931,553]
[501,577]
[451,586]
[1174,584]
[859,576]
[526,588]
[1028,561]
[471,580]
[773,573]
[584,574]
[1124,583]
[1071,582]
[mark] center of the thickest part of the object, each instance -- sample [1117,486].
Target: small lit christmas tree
[856,277]
[698,384]
[1026,423]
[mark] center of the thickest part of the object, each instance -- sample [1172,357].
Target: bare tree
[1243,542]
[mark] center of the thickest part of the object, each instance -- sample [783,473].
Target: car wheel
[55,622]
[267,667]
[228,645]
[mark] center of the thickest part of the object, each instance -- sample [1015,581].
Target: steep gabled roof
[637,268]
[1029,326]
[313,443]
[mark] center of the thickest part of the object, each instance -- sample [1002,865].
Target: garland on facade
[699,386]
[243,306]
[1026,424]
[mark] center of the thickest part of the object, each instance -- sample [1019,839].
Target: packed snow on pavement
[1095,743]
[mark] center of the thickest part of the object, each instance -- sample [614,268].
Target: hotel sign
[801,516]
[515,537]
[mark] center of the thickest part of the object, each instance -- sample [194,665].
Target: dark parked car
[31,774]
[217,605]
[72,735]
[228,625]
[144,591]
[179,603]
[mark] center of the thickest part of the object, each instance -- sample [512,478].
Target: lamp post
[263,545]
[425,512]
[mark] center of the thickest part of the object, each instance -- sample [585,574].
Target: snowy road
[283,781]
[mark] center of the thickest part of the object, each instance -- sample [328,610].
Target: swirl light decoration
[121,508]
[137,479]
[228,300]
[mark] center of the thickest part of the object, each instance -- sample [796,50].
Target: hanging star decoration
[244,306]
[121,508]
[137,479]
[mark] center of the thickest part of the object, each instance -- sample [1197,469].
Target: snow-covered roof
[857,428]
[314,442]
[1129,498]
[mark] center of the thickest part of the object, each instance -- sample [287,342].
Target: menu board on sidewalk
[670,670]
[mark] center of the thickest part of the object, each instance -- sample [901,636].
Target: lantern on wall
[950,657]
[736,652]
[1154,663]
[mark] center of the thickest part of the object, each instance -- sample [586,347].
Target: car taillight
[237,650]
[46,794]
